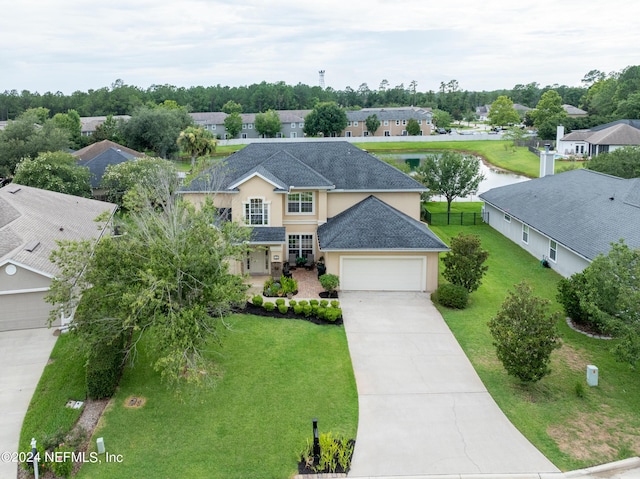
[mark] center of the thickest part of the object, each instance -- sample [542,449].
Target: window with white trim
[507,218]
[301,245]
[256,212]
[301,125]
[244,126]
[553,250]
[355,123]
[293,125]
[397,122]
[348,123]
[387,133]
[404,122]
[251,126]
[525,234]
[347,134]
[300,202]
[386,123]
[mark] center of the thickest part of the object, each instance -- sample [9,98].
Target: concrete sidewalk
[23,356]
[423,409]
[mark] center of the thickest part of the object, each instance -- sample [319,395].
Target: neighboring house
[393,121]
[574,112]
[483,111]
[31,221]
[331,200]
[88,124]
[599,139]
[569,218]
[98,156]
[292,123]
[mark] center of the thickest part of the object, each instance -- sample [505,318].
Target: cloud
[67,46]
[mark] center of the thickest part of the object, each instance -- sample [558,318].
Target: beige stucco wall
[332,260]
[407,202]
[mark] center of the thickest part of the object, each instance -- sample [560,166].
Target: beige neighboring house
[393,121]
[31,221]
[330,200]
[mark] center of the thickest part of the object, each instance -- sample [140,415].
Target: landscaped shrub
[452,296]
[289,285]
[307,310]
[104,364]
[279,301]
[335,454]
[303,302]
[333,314]
[568,297]
[335,303]
[283,308]
[297,308]
[324,303]
[269,306]
[314,302]
[329,282]
[322,311]
[292,302]
[257,300]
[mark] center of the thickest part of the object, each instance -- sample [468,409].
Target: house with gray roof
[31,222]
[292,123]
[393,121]
[599,139]
[569,218]
[330,200]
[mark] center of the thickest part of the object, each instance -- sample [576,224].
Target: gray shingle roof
[327,165]
[374,225]
[404,113]
[98,165]
[581,209]
[268,234]
[44,216]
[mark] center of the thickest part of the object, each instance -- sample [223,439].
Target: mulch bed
[250,308]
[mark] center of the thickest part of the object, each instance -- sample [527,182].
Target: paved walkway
[422,408]
[23,356]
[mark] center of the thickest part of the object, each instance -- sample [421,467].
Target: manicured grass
[277,375]
[456,206]
[497,152]
[572,431]
[63,379]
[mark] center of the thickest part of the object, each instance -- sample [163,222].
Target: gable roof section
[335,165]
[98,165]
[620,132]
[91,151]
[581,209]
[374,225]
[41,216]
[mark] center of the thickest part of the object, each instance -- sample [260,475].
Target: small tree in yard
[524,334]
[413,128]
[464,264]
[329,282]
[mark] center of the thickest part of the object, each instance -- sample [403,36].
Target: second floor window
[256,212]
[300,202]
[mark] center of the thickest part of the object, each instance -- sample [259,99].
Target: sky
[71,45]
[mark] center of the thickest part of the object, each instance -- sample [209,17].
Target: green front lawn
[572,431]
[497,152]
[276,376]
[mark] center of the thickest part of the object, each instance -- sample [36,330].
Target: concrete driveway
[423,408]
[23,356]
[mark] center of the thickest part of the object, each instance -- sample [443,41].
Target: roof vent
[32,246]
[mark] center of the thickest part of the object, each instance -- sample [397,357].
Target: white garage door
[383,273]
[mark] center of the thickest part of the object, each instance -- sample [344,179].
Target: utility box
[592,375]
[100,444]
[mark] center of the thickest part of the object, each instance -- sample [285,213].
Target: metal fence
[463,218]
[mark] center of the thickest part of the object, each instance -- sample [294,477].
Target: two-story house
[292,122]
[393,121]
[330,200]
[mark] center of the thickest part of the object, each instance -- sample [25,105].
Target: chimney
[559,133]
[547,161]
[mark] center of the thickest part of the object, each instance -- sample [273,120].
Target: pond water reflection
[494,176]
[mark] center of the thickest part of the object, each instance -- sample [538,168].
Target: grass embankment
[277,375]
[499,153]
[572,424]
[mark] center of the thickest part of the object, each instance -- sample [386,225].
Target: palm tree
[197,142]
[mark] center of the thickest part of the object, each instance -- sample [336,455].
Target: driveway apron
[23,356]
[423,410]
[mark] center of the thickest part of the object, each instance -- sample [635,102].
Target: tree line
[603,96]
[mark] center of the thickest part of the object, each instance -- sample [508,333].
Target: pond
[494,176]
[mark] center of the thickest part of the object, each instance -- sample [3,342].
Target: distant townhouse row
[393,122]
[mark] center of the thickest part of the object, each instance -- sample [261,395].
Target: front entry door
[258,261]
